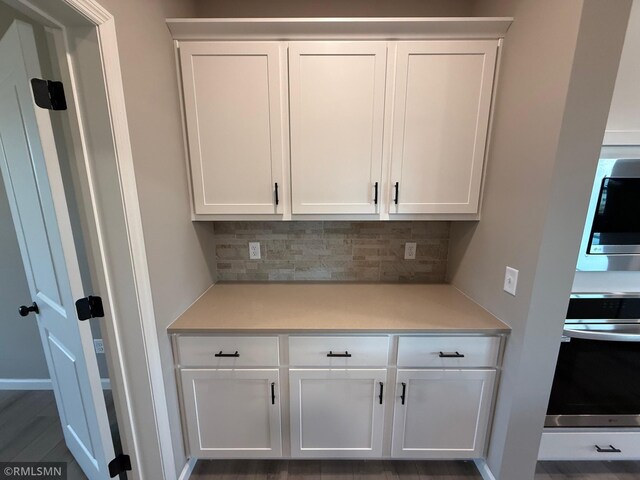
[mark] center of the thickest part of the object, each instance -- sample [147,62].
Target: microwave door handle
[609,336]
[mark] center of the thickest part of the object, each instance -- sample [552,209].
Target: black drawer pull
[375,197]
[220,354]
[404,392]
[450,355]
[611,449]
[273,393]
[395,197]
[277,199]
[345,354]
[381,389]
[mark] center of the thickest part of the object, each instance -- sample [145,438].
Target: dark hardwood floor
[30,429]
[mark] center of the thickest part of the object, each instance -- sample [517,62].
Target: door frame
[116,243]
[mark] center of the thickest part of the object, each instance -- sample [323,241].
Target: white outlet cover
[511,281]
[98,345]
[254,250]
[410,250]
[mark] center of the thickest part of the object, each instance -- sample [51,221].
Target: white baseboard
[188,468]
[37,384]
[484,470]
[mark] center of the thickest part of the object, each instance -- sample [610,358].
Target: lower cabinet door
[232,413]
[337,413]
[441,413]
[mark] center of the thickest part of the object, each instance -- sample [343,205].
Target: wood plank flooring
[398,470]
[30,429]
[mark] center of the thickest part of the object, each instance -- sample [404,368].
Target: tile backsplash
[332,251]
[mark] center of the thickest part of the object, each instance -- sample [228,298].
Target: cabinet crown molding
[360,28]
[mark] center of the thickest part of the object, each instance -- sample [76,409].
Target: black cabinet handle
[381,390]
[375,195]
[24,310]
[611,449]
[277,200]
[273,393]
[395,197]
[345,354]
[220,354]
[450,355]
[404,392]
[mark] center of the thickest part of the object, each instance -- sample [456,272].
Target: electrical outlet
[511,281]
[98,345]
[410,250]
[254,250]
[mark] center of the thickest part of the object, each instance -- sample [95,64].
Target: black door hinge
[48,94]
[120,464]
[89,307]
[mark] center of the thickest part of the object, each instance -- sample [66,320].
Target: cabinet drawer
[240,351]
[582,446]
[339,351]
[448,351]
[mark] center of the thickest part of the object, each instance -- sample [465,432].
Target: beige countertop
[334,307]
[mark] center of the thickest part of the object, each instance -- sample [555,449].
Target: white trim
[359,28]
[188,468]
[484,470]
[621,137]
[37,384]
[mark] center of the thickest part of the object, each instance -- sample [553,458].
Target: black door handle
[345,354]
[381,389]
[404,392]
[450,355]
[611,449]
[375,195]
[395,197]
[273,393]
[24,310]
[277,201]
[220,354]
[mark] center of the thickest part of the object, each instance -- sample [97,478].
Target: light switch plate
[511,281]
[254,250]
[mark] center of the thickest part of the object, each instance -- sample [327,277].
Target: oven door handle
[603,335]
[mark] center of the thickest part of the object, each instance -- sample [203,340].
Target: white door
[337,413]
[441,413]
[233,96]
[232,413]
[440,121]
[336,92]
[31,174]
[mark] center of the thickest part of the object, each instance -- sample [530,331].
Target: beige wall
[177,249]
[557,77]
[333,8]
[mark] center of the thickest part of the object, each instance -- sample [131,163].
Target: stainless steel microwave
[611,238]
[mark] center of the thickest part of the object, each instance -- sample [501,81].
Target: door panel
[444,415]
[337,104]
[31,173]
[233,93]
[336,413]
[440,121]
[232,413]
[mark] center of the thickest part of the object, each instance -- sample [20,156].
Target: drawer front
[582,446]
[440,352]
[357,351]
[214,352]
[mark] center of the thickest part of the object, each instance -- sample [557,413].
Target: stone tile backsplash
[332,251]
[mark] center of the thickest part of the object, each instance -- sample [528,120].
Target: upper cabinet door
[337,110]
[440,120]
[233,97]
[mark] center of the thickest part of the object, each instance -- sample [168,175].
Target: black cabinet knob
[24,310]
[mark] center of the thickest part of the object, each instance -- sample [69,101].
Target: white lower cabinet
[337,413]
[232,413]
[441,413]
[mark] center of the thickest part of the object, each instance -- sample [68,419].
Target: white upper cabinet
[337,114]
[441,109]
[235,107]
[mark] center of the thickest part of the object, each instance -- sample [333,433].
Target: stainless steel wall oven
[597,378]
